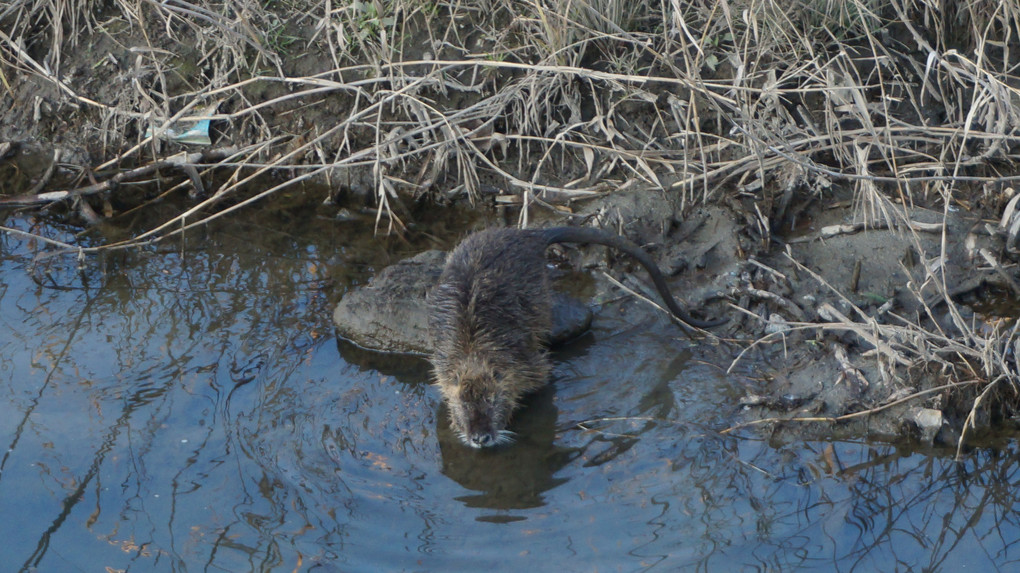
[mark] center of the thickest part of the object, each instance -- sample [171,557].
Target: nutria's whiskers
[505,438]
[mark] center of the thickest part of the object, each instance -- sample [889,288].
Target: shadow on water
[407,368]
[504,478]
[187,407]
[514,477]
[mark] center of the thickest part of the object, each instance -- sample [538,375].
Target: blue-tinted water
[186,407]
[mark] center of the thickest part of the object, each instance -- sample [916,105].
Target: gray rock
[928,421]
[776,323]
[389,314]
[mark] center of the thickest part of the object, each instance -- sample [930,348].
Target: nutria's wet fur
[489,316]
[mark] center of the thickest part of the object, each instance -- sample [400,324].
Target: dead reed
[557,100]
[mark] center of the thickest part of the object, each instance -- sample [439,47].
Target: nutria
[489,316]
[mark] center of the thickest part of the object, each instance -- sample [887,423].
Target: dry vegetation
[546,103]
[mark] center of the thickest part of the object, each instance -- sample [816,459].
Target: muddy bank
[839,318]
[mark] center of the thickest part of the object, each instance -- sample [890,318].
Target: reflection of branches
[140,398]
[869,505]
[176,321]
[995,475]
[34,402]
[885,504]
[71,500]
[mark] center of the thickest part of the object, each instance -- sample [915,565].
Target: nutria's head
[481,400]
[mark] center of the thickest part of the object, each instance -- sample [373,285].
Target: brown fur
[489,316]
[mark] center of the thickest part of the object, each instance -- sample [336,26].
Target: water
[186,407]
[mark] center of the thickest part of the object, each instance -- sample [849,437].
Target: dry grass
[553,102]
[556,100]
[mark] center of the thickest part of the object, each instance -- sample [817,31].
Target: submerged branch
[180,160]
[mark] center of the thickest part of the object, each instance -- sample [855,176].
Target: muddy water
[187,408]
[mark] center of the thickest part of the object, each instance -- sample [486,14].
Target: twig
[175,161]
[583,425]
[55,242]
[845,417]
[782,302]
[851,228]
[653,303]
[991,260]
[41,184]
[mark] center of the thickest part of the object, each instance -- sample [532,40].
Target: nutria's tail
[600,237]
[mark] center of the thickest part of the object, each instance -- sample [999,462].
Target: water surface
[187,407]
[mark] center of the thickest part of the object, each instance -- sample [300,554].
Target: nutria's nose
[481,440]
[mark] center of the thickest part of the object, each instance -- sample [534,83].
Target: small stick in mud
[489,317]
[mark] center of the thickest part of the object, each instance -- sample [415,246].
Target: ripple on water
[187,408]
